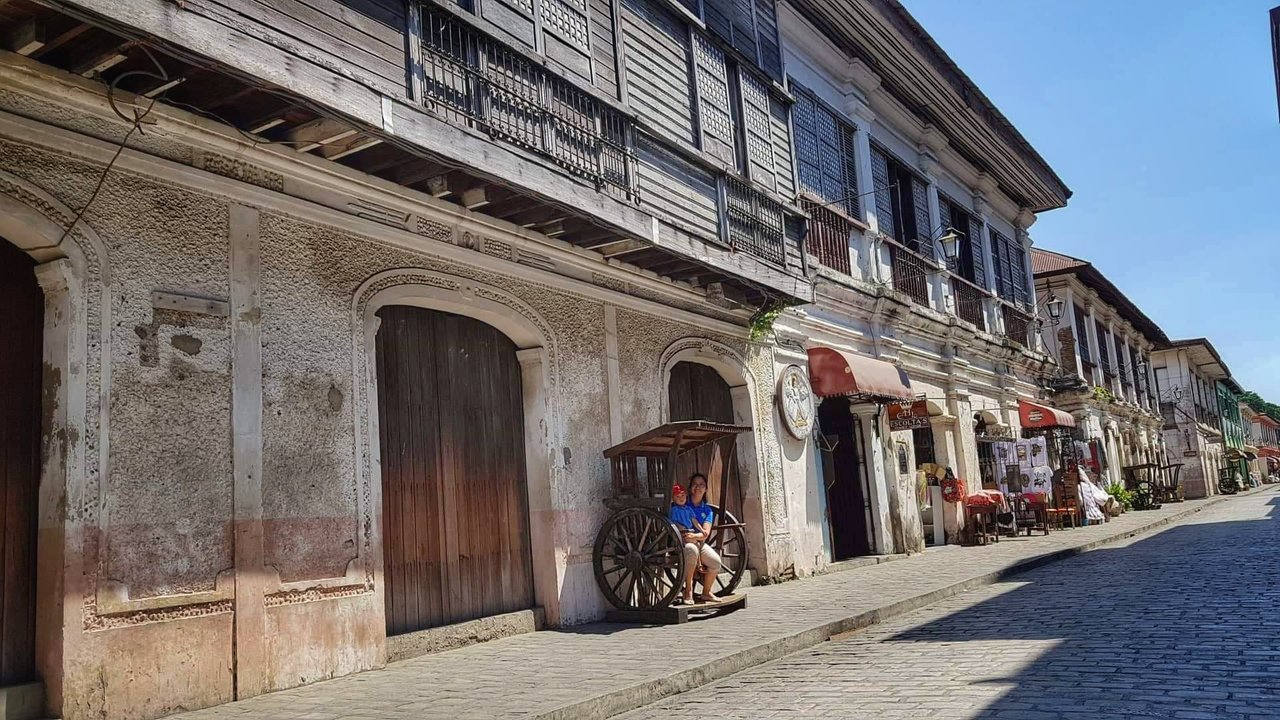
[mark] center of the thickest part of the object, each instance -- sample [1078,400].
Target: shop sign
[1189,453]
[1035,415]
[908,416]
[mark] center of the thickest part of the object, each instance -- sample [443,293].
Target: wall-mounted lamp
[1054,306]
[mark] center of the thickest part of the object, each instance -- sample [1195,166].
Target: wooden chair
[1066,502]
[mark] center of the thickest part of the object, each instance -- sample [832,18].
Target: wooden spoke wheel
[730,543]
[639,560]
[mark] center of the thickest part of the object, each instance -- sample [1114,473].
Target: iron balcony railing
[1017,324]
[969,301]
[756,222]
[471,79]
[828,236]
[910,273]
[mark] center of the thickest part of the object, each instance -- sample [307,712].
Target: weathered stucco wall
[150,628]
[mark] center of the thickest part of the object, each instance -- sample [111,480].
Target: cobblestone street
[985,649]
[1181,624]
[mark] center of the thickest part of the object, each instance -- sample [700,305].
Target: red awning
[1043,416]
[833,373]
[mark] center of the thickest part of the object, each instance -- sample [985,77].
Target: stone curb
[625,699]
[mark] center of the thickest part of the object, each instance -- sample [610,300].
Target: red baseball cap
[677,490]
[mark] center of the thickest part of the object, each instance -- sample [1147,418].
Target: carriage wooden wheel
[638,556]
[639,559]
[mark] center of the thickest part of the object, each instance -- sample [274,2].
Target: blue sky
[1161,117]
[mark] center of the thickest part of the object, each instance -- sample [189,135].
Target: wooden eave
[261,87]
[916,72]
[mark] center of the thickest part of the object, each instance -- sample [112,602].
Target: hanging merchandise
[1039,452]
[952,487]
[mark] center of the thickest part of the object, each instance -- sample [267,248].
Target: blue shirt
[682,515]
[704,513]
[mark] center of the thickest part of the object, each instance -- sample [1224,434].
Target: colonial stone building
[920,195]
[334,327]
[1187,374]
[325,312]
[1102,344]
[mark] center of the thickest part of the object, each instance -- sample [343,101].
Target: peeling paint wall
[149,625]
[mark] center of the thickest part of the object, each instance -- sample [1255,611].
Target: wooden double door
[698,392]
[454,497]
[21,328]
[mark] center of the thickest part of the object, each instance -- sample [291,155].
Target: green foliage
[1252,399]
[1102,394]
[1122,496]
[762,321]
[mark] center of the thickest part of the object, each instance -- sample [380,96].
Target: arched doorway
[454,492]
[845,477]
[21,328]
[698,392]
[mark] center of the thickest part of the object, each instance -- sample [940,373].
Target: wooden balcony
[910,273]
[463,118]
[470,79]
[828,236]
[1017,324]
[969,301]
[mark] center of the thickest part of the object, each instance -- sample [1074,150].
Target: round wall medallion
[795,401]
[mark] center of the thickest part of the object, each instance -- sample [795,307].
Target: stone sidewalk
[599,670]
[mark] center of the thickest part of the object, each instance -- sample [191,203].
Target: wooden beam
[624,247]
[96,63]
[438,186]
[60,36]
[415,171]
[318,133]
[26,37]
[475,197]
[514,206]
[542,215]
[164,87]
[355,144]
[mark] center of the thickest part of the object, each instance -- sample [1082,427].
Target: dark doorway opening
[454,497]
[844,473]
[21,331]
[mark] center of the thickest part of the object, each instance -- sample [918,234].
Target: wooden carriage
[638,556]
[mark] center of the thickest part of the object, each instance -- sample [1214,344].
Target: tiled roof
[1043,261]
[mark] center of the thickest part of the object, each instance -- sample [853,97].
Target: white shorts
[707,556]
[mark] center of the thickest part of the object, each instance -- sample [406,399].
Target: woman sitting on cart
[694,521]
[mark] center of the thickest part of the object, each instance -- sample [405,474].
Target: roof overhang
[918,74]
[1092,278]
[1275,49]
[1204,356]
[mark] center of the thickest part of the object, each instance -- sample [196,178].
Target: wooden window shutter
[924,228]
[1018,258]
[883,193]
[744,28]
[976,254]
[767,38]
[718,14]
[715,113]
[825,152]
[757,130]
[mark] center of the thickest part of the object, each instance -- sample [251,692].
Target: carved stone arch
[764,512]
[73,272]
[718,356]
[540,378]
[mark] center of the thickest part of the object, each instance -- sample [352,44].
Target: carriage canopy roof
[684,436]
